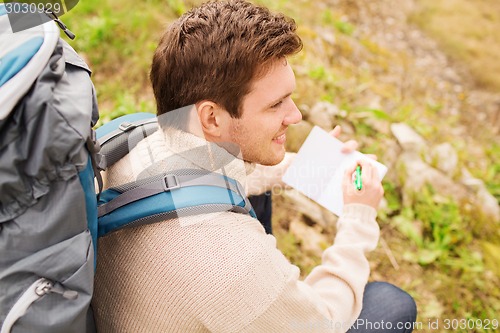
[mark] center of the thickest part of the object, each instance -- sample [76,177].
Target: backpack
[50,159]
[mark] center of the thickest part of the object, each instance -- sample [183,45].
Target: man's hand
[371,192]
[349,145]
[264,178]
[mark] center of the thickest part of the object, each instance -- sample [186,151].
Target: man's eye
[277,105]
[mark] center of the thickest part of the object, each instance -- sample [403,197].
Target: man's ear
[213,120]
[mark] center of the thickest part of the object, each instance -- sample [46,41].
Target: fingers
[348,174]
[350,169]
[371,156]
[366,168]
[368,172]
[371,191]
[349,146]
[336,131]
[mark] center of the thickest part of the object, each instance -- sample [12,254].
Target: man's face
[266,113]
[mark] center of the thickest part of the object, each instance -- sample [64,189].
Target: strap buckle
[171,182]
[126,126]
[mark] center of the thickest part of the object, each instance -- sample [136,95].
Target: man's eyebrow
[279,99]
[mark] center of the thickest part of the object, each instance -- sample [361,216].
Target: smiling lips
[280,139]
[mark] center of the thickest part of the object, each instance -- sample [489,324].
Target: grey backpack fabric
[45,236]
[50,217]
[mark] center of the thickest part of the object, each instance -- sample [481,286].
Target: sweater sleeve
[222,273]
[330,298]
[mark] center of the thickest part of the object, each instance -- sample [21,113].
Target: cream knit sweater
[220,272]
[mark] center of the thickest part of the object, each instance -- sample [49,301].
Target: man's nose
[293,115]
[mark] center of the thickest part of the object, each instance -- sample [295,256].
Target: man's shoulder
[238,238]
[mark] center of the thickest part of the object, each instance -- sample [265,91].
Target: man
[223,89]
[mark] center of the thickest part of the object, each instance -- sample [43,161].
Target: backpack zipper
[38,289]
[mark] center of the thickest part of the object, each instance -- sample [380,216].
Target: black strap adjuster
[171,182]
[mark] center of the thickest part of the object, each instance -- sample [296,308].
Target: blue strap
[171,201]
[16,59]
[137,207]
[114,124]
[87,180]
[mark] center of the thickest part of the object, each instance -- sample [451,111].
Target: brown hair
[214,52]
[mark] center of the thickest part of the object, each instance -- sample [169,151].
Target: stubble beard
[250,151]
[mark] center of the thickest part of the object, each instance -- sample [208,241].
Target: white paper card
[319,166]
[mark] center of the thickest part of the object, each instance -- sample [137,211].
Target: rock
[407,138]
[473,184]
[483,200]
[417,173]
[305,110]
[322,114]
[433,308]
[322,120]
[328,36]
[390,156]
[488,104]
[317,214]
[445,158]
[378,125]
[488,204]
[296,135]
[384,205]
[348,130]
[450,75]
[310,239]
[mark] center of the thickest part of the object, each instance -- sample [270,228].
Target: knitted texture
[221,272]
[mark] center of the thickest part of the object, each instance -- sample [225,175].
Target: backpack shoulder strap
[162,197]
[120,135]
[183,193]
[22,59]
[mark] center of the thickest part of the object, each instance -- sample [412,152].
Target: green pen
[357,179]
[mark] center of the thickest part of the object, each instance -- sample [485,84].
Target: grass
[469,33]
[447,253]
[118,39]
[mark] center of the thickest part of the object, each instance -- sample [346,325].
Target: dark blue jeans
[386,308]
[263,207]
